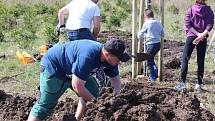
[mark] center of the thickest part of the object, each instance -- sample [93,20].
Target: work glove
[60,28]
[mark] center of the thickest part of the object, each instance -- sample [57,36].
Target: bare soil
[137,102]
[141,102]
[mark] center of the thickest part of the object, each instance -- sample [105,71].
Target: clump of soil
[172,53]
[64,111]
[14,108]
[174,63]
[138,103]
[17,108]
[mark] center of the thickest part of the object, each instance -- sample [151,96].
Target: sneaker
[180,86]
[152,78]
[199,87]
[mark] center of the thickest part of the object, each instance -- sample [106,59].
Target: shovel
[139,57]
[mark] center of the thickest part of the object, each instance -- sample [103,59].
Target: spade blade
[141,57]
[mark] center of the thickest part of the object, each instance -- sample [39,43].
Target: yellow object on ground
[43,49]
[24,57]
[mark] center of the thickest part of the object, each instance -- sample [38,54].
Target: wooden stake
[140,43]
[160,58]
[134,37]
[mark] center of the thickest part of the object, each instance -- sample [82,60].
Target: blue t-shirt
[81,58]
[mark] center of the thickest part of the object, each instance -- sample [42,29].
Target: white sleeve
[97,11]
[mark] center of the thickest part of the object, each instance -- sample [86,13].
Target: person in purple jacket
[199,21]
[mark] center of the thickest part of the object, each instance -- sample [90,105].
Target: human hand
[199,34]
[201,37]
[197,40]
[60,28]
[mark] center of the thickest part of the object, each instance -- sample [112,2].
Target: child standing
[153,30]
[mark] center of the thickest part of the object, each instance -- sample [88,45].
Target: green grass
[17,77]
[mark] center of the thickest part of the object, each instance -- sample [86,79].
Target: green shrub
[114,13]
[124,4]
[1,36]
[23,37]
[10,22]
[173,9]
[54,8]
[3,9]
[40,8]
[113,21]
[51,35]
[155,9]
[19,9]
[4,14]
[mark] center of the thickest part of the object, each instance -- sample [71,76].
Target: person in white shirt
[82,14]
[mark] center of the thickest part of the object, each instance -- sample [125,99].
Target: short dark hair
[149,13]
[117,47]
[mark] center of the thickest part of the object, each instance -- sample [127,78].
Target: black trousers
[188,49]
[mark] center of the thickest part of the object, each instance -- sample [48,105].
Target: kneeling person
[73,63]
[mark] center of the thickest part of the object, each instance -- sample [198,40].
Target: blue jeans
[152,49]
[82,33]
[188,49]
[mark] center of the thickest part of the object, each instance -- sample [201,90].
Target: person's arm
[209,27]
[194,31]
[96,25]
[203,34]
[200,37]
[116,84]
[140,34]
[188,23]
[79,86]
[61,14]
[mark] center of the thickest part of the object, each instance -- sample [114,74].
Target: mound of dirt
[17,108]
[64,111]
[146,103]
[14,108]
[174,63]
[137,102]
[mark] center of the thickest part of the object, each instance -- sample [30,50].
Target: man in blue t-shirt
[72,64]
